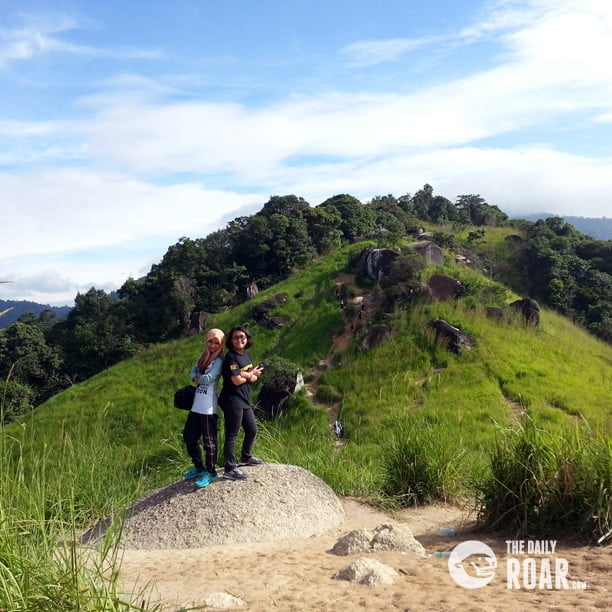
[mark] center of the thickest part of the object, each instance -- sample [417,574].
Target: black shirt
[233,365]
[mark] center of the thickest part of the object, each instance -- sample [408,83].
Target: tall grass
[422,464]
[549,483]
[45,500]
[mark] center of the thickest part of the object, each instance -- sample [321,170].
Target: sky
[125,126]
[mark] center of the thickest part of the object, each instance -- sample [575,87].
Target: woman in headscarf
[202,418]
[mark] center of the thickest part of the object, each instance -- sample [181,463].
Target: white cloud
[521,180]
[366,53]
[42,35]
[52,211]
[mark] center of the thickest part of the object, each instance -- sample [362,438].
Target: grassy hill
[524,410]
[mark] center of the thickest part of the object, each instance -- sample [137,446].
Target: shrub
[280,374]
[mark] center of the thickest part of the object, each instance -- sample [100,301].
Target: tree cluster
[569,272]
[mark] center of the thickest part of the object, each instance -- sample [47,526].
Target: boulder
[530,310]
[368,572]
[197,321]
[376,334]
[377,262]
[452,337]
[444,287]
[271,402]
[250,291]
[281,298]
[388,536]
[278,321]
[222,601]
[260,311]
[430,251]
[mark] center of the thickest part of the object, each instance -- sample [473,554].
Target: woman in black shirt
[235,401]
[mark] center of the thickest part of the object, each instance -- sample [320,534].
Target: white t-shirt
[205,400]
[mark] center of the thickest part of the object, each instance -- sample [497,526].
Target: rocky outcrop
[376,334]
[430,252]
[444,287]
[197,321]
[250,291]
[277,502]
[377,262]
[271,401]
[530,310]
[452,337]
[261,314]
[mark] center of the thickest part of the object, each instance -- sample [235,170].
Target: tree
[95,335]
[288,206]
[421,201]
[323,228]
[473,210]
[357,219]
[25,353]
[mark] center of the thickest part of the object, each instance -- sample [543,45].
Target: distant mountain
[22,306]
[599,228]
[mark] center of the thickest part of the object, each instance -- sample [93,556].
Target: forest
[547,260]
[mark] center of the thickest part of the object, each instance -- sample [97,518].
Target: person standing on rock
[235,400]
[202,419]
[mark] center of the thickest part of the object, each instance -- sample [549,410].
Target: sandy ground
[297,574]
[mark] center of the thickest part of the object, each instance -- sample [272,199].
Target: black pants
[201,426]
[236,416]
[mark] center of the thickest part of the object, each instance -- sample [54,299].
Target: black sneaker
[251,461]
[235,474]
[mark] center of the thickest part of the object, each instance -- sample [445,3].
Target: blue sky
[126,125]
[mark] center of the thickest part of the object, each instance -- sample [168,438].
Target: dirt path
[297,574]
[342,340]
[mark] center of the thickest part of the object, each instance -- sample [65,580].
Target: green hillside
[420,422]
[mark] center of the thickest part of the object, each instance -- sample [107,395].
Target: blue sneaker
[194,472]
[205,480]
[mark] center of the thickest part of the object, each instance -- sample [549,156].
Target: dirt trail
[297,574]
[342,340]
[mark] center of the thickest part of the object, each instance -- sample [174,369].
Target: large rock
[276,502]
[376,334]
[444,287]
[452,337]
[278,321]
[197,322]
[377,262]
[271,402]
[430,251]
[368,572]
[250,291]
[261,314]
[530,310]
[388,536]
